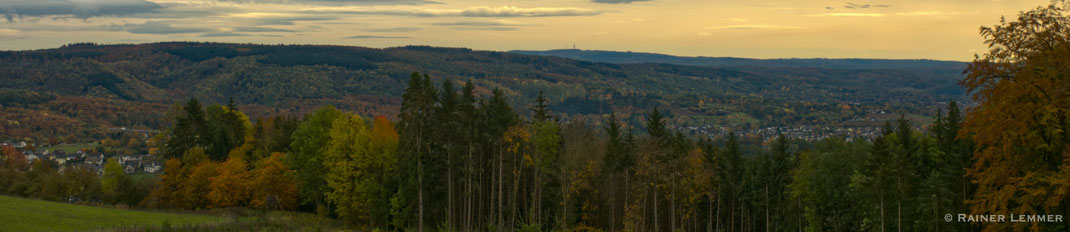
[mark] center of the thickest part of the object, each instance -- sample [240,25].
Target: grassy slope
[19,214]
[71,148]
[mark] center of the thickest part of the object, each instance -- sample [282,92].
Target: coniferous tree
[905,164]
[447,124]
[541,109]
[190,129]
[471,139]
[616,169]
[731,177]
[655,126]
[415,133]
[876,181]
[545,160]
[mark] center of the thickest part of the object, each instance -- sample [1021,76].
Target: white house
[153,167]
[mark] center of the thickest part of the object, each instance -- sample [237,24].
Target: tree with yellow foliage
[231,187]
[349,161]
[114,181]
[1022,88]
[166,194]
[273,186]
[197,183]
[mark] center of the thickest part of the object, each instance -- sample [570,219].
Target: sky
[897,29]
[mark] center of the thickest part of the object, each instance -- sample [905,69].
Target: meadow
[21,214]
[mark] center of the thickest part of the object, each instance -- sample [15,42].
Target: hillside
[83,88]
[642,57]
[20,214]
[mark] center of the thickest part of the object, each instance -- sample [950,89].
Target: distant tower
[573,46]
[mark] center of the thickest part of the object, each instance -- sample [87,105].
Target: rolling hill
[642,57]
[82,88]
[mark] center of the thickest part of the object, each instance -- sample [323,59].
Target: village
[91,158]
[807,133]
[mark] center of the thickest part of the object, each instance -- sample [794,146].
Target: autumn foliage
[1021,124]
[273,185]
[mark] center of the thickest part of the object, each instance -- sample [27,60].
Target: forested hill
[642,57]
[82,87]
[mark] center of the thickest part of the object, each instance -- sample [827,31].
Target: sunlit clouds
[753,26]
[938,29]
[847,15]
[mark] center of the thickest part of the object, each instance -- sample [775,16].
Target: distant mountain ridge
[616,57]
[79,88]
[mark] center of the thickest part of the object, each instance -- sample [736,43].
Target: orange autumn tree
[384,142]
[273,186]
[197,183]
[231,187]
[1020,125]
[12,158]
[167,192]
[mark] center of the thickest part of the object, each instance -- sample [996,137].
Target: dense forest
[78,89]
[641,57]
[458,161]
[454,156]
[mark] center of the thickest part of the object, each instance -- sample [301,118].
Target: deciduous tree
[232,186]
[1021,85]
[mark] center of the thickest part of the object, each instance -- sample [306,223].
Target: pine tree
[448,123]
[956,157]
[731,176]
[905,165]
[471,139]
[875,180]
[417,107]
[655,126]
[190,129]
[540,111]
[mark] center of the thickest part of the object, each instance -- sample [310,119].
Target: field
[71,148]
[20,214]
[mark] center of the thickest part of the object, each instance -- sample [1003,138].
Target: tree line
[461,162]
[457,160]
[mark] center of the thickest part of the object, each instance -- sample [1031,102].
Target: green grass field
[71,148]
[20,214]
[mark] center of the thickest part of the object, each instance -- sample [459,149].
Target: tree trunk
[420,184]
[565,188]
[742,223]
[731,214]
[501,163]
[719,197]
[449,188]
[709,213]
[899,216]
[533,219]
[882,209]
[514,196]
[468,189]
[801,211]
[672,204]
[655,208]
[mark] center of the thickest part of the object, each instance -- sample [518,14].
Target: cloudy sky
[932,29]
